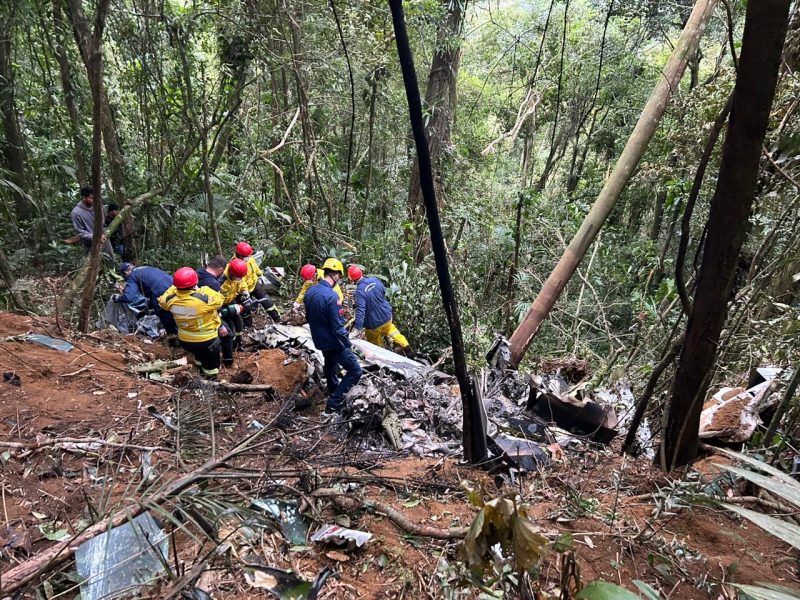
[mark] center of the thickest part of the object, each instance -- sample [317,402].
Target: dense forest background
[285,123]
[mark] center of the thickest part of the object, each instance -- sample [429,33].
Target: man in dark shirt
[211,275]
[324,315]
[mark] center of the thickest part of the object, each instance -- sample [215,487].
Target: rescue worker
[324,315]
[199,324]
[151,283]
[231,312]
[373,311]
[312,275]
[212,273]
[254,285]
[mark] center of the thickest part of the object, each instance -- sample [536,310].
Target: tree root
[348,503]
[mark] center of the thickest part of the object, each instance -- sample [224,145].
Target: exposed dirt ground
[627,520]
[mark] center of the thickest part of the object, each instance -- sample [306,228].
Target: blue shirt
[372,308]
[148,282]
[207,279]
[323,312]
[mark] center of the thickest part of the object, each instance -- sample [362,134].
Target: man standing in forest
[83,222]
[373,311]
[324,314]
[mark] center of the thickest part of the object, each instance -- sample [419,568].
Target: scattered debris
[286,585]
[293,525]
[12,378]
[341,535]
[159,366]
[47,341]
[122,559]
[732,414]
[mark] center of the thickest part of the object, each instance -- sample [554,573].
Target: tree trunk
[116,164]
[762,43]
[474,432]
[634,149]
[12,144]
[440,103]
[95,68]
[78,143]
[7,275]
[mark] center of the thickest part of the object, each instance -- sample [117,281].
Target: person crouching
[199,324]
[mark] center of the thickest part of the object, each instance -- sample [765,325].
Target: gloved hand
[357,334]
[223,331]
[245,295]
[295,305]
[247,301]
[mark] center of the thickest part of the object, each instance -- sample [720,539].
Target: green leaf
[647,590]
[788,532]
[790,492]
[761,466]
[474,543]
[602,590]
[764,593]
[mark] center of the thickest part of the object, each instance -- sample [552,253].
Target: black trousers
[206,355]
[231,342]
[260,294]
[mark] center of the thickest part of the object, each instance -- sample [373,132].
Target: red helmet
[244,249]
[354,272]
[185,278]
[237,268]
[308,272]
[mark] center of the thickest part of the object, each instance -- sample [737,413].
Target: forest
[581,203]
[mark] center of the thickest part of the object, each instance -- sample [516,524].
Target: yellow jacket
[307,285]
[231,288]
[195,312]
[250,280]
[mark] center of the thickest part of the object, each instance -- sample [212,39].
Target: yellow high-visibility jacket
[253,273]
[231,288]
[194,311]
[307,285]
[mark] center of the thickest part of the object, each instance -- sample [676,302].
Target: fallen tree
[634,149]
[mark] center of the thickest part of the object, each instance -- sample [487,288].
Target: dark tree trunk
[78,143]
[12,143]
[762,43]
[440,103]
[95,69]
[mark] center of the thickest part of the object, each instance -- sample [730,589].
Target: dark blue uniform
[323,312]
[372,308]
[204,278]
[151,283]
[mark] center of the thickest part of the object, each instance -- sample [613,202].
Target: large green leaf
[647,590]
[764,593]
[762,466]
[788,532]
[779,487]
[603,590]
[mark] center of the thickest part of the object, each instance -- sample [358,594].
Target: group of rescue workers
[209,308]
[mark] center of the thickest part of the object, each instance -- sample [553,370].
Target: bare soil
[615,509]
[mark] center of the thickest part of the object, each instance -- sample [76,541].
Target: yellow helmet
[333,264]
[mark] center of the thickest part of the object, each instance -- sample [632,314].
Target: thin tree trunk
[7,275]
[788,394]
[96,80]
[12,143]
[474,433]
[440,101]
[762,43]
[78,143]
[634,149]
